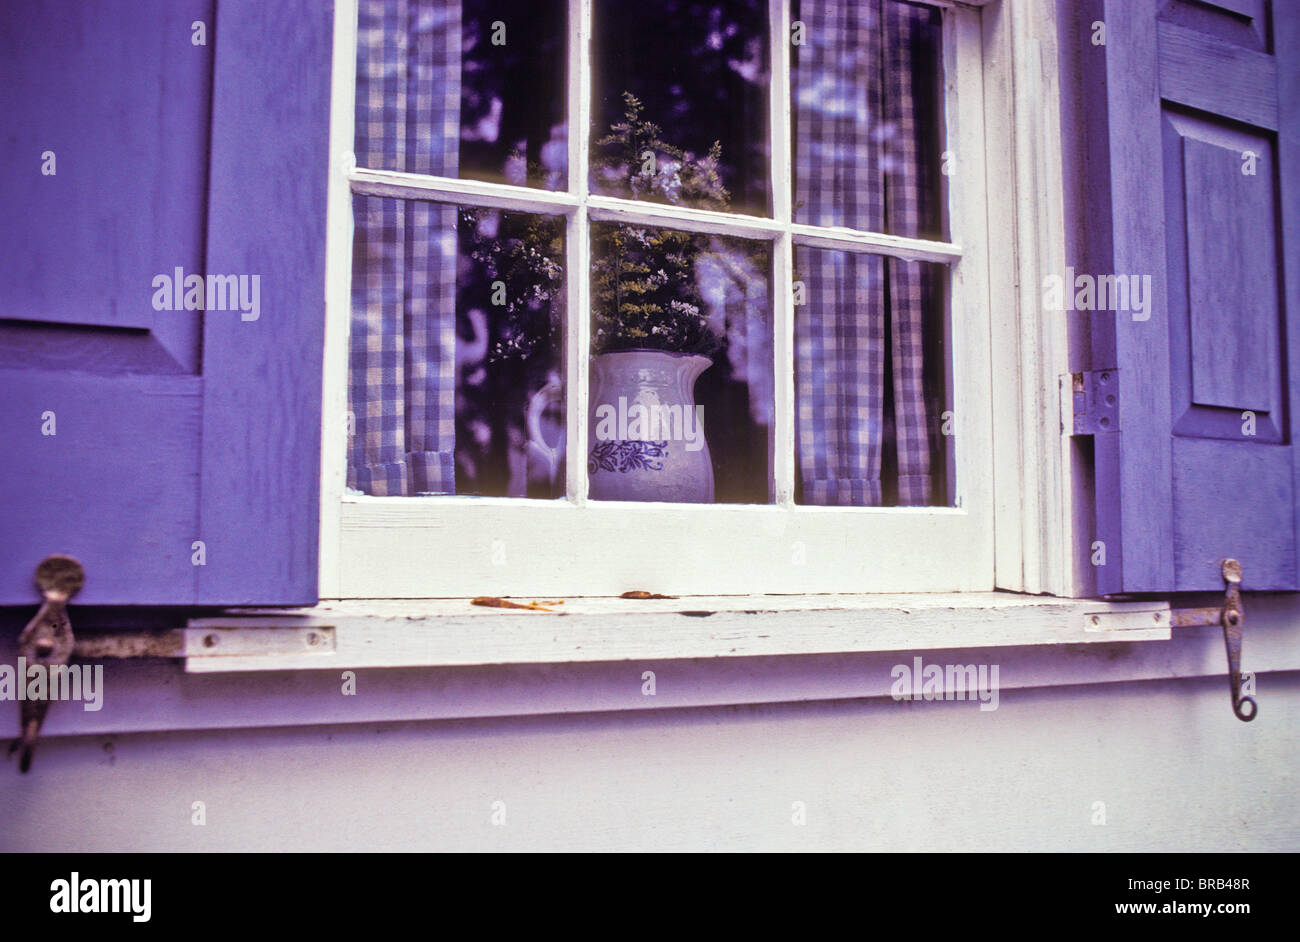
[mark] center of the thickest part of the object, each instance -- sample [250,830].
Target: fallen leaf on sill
[642,594]
[491,601]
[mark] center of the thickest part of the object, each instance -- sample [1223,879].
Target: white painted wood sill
[373,633]
[448,660]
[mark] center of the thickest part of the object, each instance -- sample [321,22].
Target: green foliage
[635,162]
[644,292]
[526,252]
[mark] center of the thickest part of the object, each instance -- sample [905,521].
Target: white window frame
[420,547]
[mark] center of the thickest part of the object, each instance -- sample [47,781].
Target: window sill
[446,660]
[376,633]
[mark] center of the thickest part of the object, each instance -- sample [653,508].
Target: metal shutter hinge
[1094,397]
[1232,617]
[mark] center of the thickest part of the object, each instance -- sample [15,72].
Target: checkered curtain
[402,388]
[859,165]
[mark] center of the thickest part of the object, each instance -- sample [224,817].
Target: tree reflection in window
[700,72]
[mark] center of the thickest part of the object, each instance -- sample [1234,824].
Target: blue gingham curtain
[908,202]
[402,389]
[858,165]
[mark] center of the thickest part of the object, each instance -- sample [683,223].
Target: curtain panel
[402,386]
[859,163]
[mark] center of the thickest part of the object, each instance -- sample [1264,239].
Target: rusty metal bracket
[1232,617]
[210,641]
[46,642]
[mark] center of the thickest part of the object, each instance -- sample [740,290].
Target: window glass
[681,380]
[867,115]
[457,366]
[680,103]
[466,88]
[873,416]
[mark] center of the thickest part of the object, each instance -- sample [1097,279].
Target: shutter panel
[260,506]
[169,426]
[1204,463]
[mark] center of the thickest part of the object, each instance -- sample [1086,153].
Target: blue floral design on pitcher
[624,456]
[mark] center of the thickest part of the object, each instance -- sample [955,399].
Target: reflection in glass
[464,88]
[456,356]
[866,84]
[680,103]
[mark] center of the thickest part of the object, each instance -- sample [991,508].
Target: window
[728,252]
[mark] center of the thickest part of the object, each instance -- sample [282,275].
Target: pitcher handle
[537,404]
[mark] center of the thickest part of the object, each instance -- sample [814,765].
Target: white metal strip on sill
[218,639]
[453,632]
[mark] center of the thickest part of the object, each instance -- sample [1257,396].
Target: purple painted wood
[1221,77]
[100,393]
[1253,9]
[116,487]
[162,165]
[1229,359]
[1204,464]
[117,95]
[1232,273]
[1286,30]
[1140,453]
[260,505]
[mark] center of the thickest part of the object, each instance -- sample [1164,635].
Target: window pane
[464,88]
[456,361]
[867,117]
[680,103]
[681,376]
[872,408]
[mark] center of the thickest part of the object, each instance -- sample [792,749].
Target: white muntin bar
[395,183]
[577,313]
[401,185]
[783,313]
[853,240]
[646,213]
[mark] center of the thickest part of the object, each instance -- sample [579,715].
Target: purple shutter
[170,426]
[1202,463]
